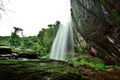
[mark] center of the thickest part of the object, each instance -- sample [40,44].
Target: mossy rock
[38,70]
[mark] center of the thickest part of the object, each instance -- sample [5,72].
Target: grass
[96,65]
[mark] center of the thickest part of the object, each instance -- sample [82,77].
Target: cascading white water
[63,45]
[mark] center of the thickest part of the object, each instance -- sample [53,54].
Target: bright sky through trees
[32,15]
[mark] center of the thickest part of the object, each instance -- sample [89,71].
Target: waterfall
[63,45]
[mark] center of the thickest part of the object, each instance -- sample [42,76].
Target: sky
[32,15]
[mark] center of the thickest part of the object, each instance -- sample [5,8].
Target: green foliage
[14,38]
[4,41]
[37,48]
[28,42]
[41,44]
[92,64]
[45,39]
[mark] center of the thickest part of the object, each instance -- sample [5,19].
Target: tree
[14,38]
[98,22]
[46,37]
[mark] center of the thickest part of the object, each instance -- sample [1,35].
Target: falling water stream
[63,45]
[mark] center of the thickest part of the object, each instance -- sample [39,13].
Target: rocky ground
[38,70]
[45,69]
[113,74]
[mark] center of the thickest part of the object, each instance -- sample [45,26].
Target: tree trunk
[98,27]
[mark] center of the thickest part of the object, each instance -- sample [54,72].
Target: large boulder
[98,27]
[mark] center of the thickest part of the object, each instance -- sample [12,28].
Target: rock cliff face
[98,27]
